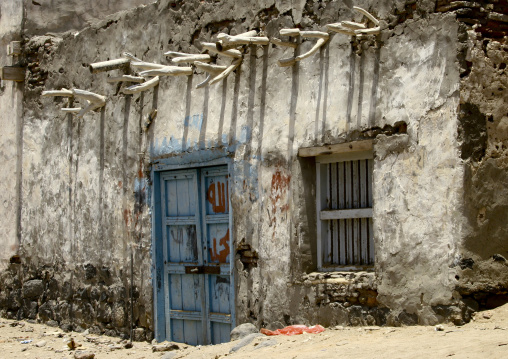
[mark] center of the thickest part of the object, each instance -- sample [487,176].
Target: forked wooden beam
[92,100]
[212,70]
[142,87]
[223,43]
[211,47]
[248,38]
[126,78]
[109,65]
[322,39]
[63,92]
[226,72]
[180,57]
[168,71]
[355,28]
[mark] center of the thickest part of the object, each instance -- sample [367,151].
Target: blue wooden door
[217,239]
[197,245]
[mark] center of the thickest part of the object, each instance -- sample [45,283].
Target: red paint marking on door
[217,195]
[221,256]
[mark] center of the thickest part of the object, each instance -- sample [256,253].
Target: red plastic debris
[294,330]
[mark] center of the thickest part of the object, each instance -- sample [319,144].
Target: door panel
[183,244]
[197,247]
[219,291]
[218,243]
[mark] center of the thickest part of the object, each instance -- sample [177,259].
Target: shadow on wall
[360,111]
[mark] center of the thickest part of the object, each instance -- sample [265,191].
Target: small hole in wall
[484,45]
[457,277]
[491,118]
[502,66]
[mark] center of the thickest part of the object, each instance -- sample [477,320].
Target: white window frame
[332,154]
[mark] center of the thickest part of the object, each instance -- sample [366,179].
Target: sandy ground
[485,337]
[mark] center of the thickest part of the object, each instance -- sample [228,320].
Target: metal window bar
[348,213]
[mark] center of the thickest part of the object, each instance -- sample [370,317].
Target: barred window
[344,209]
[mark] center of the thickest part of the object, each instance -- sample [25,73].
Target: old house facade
[365,184]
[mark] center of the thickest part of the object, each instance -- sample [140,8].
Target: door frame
[183,161]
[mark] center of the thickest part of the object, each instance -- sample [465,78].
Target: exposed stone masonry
[85,298]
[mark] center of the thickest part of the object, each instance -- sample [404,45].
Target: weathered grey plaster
[85,184]
[414,190]
[10,121]
[58,16]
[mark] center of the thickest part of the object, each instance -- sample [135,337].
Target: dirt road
[485,337]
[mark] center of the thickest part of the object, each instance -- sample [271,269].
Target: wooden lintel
[357,146]
[12,73]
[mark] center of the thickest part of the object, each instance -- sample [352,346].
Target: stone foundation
[84,297]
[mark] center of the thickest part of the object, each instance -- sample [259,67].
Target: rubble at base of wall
[350,298]
[346,288]
[343,298]
[86,298]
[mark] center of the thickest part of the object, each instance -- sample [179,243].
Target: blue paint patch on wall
[192,124]
[246,179]
[195,121]
[245,134]
[164,146]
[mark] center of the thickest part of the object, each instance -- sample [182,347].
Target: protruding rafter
[322,39]
[168,71]
[222,44]
[180,57]
[212,70]
[227,71]
[143,66]
[142,87]
[247,38]
[92,100]
[126,78]
[279,42]
[109,65]
[355,28]
[63,93]
[211,47]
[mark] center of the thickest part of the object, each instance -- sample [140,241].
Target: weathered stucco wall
[58,16]
[85,184]
[11,94]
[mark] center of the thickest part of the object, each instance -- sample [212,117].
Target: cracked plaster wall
[11,94]
[83,182]
[58,16]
